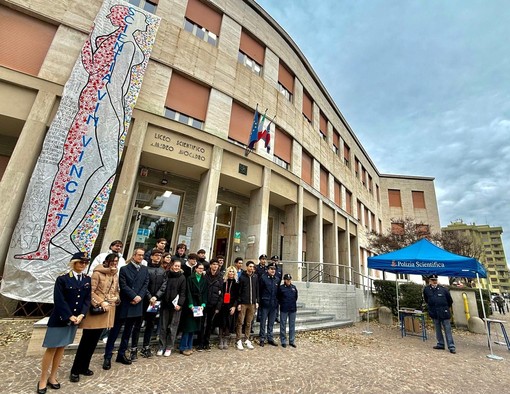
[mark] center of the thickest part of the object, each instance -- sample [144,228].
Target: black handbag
[96,310]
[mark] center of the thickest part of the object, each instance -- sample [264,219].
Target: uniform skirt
[59,336]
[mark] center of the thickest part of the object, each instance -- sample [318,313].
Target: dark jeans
[128,324]
[86,348]
[168,325]
[186,341]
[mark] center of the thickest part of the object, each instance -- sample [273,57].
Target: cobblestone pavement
[336,361]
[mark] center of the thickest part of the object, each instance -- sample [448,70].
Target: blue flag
[254,130]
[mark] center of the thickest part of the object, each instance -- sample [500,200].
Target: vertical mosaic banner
[71,183]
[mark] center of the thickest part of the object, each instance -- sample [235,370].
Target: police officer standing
[439,302]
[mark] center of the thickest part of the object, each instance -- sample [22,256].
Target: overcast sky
[425,86]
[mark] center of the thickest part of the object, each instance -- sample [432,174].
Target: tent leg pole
[492,356]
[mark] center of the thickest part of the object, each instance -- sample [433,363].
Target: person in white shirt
[115,247]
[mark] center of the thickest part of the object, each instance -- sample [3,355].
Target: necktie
[79,277]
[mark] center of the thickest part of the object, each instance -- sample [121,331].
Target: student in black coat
[133,282]
[214,287]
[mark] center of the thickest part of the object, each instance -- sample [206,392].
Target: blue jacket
[439,302]
[268,291]
[287,297]
[132,283]
[71,298]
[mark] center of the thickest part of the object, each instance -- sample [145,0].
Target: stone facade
[272,209]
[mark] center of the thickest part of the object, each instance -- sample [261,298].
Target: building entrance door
[223,231]
[154,216]
[148,226]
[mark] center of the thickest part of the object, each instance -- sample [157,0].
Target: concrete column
[258,218]
[314,240]
[344,253]
[20,167]
[293,237]
[121,208]
[329,250]
[205,212]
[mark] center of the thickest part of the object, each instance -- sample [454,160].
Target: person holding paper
[172,303]
[155,290]
[196,300]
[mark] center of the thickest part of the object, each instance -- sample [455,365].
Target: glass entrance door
[146,227]
[223,231]
[154,216]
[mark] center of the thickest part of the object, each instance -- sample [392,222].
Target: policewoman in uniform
[71,298]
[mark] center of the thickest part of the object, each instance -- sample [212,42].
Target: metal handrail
[313,271]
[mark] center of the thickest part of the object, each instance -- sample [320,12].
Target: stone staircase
[310,319]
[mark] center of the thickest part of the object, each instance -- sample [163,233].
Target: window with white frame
[185,119]
[201,32]
[249,62]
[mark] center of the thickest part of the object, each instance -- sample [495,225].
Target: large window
[285,81]
[147,5]
[307,106]
[24,41]
[418,200]
[282,148]
[394,198]
[306,168]
[324,182]
[323,126]
[251,53]
[347,155]
[203,21]
[338,193]
[336,142]
[186,101]
[348,202]
[241,120]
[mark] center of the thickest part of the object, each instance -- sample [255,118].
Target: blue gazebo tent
[425,258]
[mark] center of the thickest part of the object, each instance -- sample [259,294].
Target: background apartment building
[488,240]
[184,174]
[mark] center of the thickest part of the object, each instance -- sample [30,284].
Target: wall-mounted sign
[177,146]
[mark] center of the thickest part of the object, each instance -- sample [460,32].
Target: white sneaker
[248,344]
[240,345]
[105,339]
[168,352]
[159,353]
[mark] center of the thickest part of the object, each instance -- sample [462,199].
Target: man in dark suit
[133,282]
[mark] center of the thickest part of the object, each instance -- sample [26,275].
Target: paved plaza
[336,361]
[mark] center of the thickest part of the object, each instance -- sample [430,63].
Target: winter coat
[132,283]
[287,298]
[175,285]
[214,286]
[157,282]
[105,287]
[71,298]
[183,259]
[248,289]
[439,302]
[268,290]
[187,270]
[196,295]
[225,319]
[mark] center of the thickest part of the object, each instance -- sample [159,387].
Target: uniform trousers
[283,327]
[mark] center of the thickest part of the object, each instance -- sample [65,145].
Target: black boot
[134,354]
[107,363]
[121,358]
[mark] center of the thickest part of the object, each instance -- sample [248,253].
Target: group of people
[177,293]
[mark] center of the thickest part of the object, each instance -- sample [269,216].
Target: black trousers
[206,326]
[85,350]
